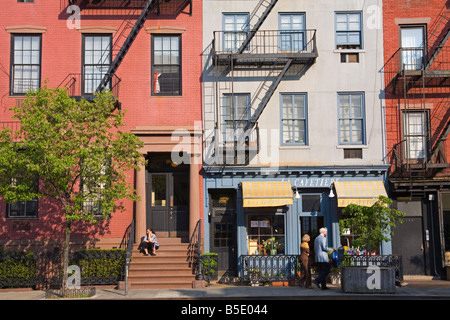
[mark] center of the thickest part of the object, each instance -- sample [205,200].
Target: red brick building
[150,50]
[417,100]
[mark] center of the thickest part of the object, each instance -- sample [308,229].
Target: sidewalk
[415,289]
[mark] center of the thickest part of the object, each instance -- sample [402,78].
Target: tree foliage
[371,225]
[72,151]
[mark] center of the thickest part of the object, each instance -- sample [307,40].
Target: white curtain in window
[412,48]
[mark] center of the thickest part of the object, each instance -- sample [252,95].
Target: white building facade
[293,121]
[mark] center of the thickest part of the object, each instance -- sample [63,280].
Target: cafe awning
[364,193]
[267,193]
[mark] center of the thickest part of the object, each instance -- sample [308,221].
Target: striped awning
[267,193]
[364,193]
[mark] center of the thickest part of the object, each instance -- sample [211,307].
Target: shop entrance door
[223,229]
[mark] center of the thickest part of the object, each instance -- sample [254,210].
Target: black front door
[168,201]
[223,229]
[408,242]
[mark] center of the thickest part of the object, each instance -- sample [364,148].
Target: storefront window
[265,234]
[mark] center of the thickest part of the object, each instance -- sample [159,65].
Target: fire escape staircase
[253,53]
[150,5]
[417,84]
[439,34]
[123,40]
[255,21]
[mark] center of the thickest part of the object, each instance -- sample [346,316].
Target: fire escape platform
[265,59]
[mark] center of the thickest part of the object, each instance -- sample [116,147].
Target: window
[26,63]
[349,57]
[23,209]
[351,118]
[412,47]
[261,230]
[293,118]
[166,67]
[92,187]
[236,27]
[96,61]
[292,31]
[348,30]
[311,203]
[414,127]
[235,115]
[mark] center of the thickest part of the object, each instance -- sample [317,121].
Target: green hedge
[17,269]
[100,263]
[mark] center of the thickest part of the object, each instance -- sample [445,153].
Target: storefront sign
[361,201]
[313,182]
[267,202]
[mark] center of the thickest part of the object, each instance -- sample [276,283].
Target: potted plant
[370,226]
[271,246]
[210,266]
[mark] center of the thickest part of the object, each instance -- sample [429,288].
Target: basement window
[349,57]
[353,154]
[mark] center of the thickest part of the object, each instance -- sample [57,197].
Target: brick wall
[61,55]
[393,13]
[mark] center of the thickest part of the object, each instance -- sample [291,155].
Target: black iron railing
[129,240]
[269,268]
[194,251]
[79,86]
[266,42]
[44,270]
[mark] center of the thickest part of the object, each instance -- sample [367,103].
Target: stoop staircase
[169,269]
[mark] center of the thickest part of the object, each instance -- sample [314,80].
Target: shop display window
[266,234]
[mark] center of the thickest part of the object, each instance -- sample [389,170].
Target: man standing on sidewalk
[323,264]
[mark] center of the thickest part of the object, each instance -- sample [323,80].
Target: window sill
[293,147]
[352,146]
[349,51]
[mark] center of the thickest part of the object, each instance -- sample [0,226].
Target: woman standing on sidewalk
[305,278]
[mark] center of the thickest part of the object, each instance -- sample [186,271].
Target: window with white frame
[412,47]
[96,61]
[351,118]
[349,30]
[166,67]
[414,130]
[294,118]
[25,63]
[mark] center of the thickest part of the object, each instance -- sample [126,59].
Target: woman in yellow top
[305,278]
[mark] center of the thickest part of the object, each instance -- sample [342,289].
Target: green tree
[72,151]
[371,225]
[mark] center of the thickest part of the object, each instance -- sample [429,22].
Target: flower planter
[368,279]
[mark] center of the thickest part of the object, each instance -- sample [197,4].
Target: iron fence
[269,268]
[44,270]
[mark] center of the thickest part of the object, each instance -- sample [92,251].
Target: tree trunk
[66,258]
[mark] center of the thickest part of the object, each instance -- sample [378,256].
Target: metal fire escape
[125,36]
[253,50]
[416,86]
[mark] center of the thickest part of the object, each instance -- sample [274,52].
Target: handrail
[194,251]
[128,254]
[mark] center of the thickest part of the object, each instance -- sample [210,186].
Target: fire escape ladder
[256,19]
[439,34]
[263,95]
[127,44]
[437,155]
